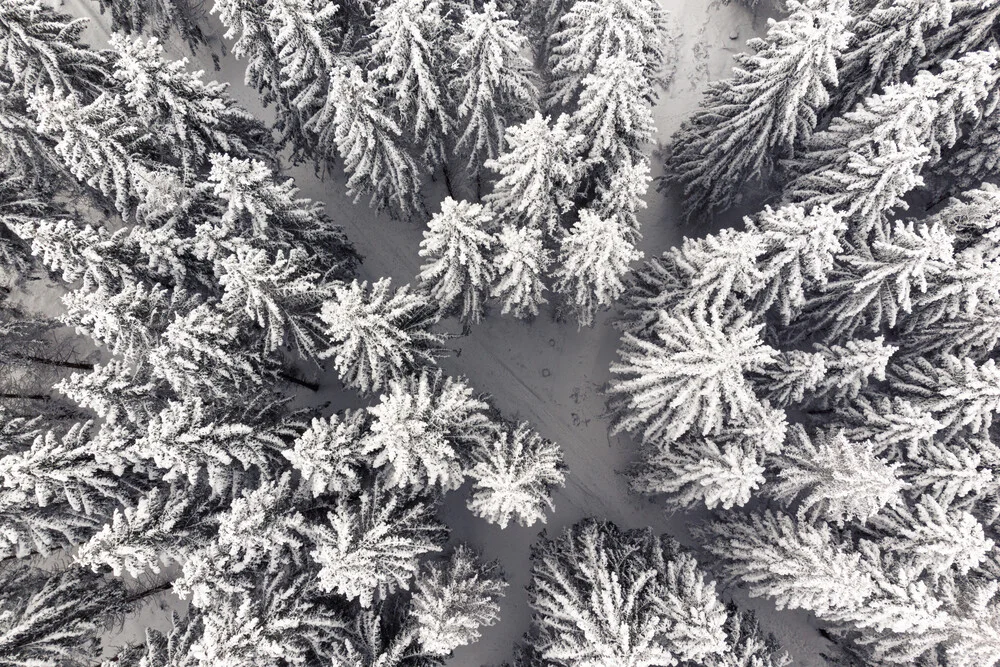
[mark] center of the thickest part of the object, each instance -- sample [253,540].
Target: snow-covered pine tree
[192,118]
[424,429]
[328,454]
[370,544]
[454,599]
[623,196]
[56,617]
[291,50]
[867,159]
[259,204]
[833,478]
[689,377]
[458,244]
[519,265]
[889,41]
[377,335]
[615,117]
[697,470]
[494,83]
[539,172]
[158,17]
[605,596]
[873,285]
[594,257]
[407,64]
[590,30]
[514,477]
[371,144]
[766,110]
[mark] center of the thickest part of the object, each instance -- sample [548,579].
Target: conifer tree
[422,431]
[407,52]
[601,595]
[371,544]
[613,115]
[494,86]
[377,335]
[328,454]
[55,617]
[689,377]
[514,477]
[769,107]
[371,145]
[538,172]
[590,30]
[158,17]
[458,245]
[452,600]
[593,258]
[519,265]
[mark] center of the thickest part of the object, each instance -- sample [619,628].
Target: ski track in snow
[505,357]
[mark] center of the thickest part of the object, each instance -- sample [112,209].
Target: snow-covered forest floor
[546,372]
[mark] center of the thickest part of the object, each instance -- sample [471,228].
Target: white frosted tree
[407,58]
[833,478]
[372,146]
[958,392]
[873,285]
[514,476]
[604,596]
[614,116]
[329,454]
[454,599]
[539,170]
[689,377]
[494,83]
[422,430]
[458,246]
[797,564]
[371,544]
[589,30]
[520,263]
[594,256]
[377,335]
[768,107]
[623,196]
[699,471]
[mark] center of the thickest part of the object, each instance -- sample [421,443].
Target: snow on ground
[545,372]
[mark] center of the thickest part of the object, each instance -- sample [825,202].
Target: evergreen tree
[689,377]
[377,335]
[328,454]
[494,86]
[452,600]
[538,172]
[422,431]
[158,17]
[514,477]
[593,258]
[889,42]
[458,245]
[371,544]
[769,107]
[613,115]
[834,478]
[602,596]
[519,265]
[627,29]
[371,145]
[406,53]
[870,157]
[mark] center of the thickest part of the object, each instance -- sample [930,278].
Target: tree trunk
[447,181]
[142,595]
[288,377]
[28,397]
[55,362]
